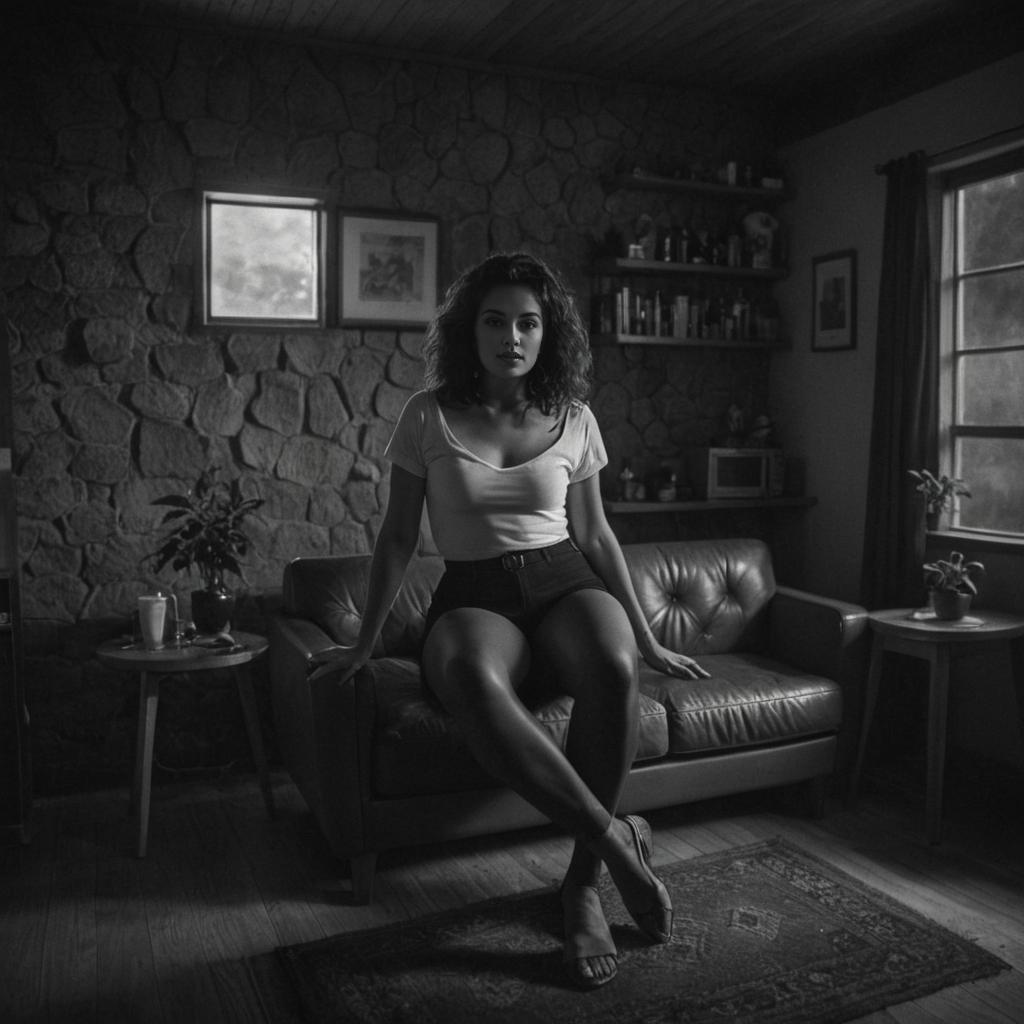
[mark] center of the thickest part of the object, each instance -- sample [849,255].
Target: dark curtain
[904,428]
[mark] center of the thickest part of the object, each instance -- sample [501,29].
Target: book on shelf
[701,314]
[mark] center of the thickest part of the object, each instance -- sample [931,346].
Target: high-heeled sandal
[585,944]
[655,922]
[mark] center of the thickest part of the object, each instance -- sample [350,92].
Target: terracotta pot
[950,605]
[212,610]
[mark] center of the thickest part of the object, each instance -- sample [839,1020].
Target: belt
[513,560]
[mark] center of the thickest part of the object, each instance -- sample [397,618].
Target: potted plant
[940,492]
[951,585]
[205,534]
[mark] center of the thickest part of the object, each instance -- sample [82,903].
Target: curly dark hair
[564,368]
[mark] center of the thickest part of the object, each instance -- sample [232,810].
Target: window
[263,259]
[982,331]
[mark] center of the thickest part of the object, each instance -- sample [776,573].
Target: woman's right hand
[343,661]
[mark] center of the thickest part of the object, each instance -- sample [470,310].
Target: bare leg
[587,642]
[474,661]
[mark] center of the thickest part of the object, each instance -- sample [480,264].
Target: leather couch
[383,767]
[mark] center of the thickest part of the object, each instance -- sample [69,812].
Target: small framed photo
[834,310]
[388,268]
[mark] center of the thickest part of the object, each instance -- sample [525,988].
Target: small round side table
[920,634]
[152,666]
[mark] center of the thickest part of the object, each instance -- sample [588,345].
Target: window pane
[992,309]
[993,222]
[993,470]
[992,389]
[263,262]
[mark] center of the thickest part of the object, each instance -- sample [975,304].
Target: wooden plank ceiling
[836,57]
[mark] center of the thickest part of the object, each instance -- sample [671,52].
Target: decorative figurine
[646,235]
[760,435]
[734,425]
[760,228]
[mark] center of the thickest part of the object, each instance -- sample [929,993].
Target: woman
[505,454]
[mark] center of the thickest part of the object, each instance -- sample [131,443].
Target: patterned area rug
[765,933]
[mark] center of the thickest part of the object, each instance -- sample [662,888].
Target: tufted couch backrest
[700,597]
[704,596]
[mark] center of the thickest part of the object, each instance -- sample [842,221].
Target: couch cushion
[418,748]
[749,700]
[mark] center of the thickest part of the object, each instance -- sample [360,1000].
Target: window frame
[946,180]
[314,200]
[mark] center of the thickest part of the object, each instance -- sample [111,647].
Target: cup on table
[152,615]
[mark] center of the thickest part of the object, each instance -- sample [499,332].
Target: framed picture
[834,309]
[388,267]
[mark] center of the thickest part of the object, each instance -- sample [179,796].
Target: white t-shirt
[477,510]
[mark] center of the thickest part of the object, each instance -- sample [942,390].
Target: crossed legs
[476,661]
[588,644]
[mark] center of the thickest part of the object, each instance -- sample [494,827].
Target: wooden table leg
[938,704]
[870,700]
[252,726]
[1017,678]
[149,699]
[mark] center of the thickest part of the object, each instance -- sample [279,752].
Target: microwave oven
[737,472]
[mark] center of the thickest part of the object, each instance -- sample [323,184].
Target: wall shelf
[710,505]
[625,313]
[658,183]
[624,297]
[682,343]
[622,266]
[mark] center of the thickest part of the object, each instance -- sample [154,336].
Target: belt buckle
[513,560]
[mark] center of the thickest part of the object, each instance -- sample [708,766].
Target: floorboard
[103,936]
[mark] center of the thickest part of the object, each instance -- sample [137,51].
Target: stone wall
[118,398]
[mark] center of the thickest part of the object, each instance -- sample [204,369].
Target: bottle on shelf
[627,482]
[713,319]
[683,247]
[741,314]
[734,251]
[681,316]
[670,488]
[666,250]
[697,310]
[728,322]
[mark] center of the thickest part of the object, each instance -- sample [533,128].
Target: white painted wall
[822,400]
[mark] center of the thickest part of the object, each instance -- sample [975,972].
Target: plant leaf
[177,500]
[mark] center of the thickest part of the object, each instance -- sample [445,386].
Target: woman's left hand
[672,663]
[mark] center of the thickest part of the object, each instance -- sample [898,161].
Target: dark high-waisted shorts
[521,585]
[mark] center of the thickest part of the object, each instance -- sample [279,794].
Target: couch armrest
[301,639]
[322,730]
[830,638]
[818,634]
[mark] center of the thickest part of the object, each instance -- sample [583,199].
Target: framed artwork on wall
[388,268]
[834,301]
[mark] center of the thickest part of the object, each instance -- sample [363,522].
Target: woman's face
[509,329]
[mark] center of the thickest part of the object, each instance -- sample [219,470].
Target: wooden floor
[90,933]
